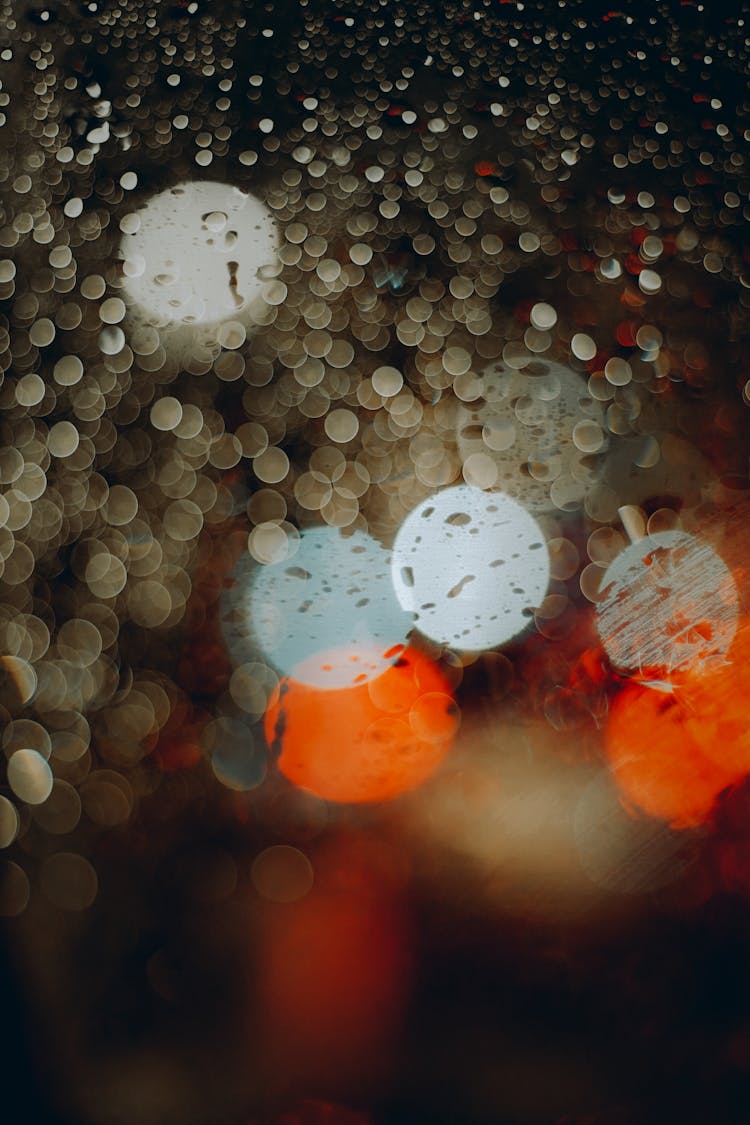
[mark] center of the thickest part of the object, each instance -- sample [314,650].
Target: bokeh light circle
[526,417]
[333,593]
[471,566]
[668,603]
[369,742]
[202,245]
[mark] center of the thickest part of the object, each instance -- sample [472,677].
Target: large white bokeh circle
[472,566]
[668,603]
[328,614]
[195,256]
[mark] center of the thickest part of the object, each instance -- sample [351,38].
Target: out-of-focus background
[374,596]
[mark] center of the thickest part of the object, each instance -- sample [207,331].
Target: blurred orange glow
[716,717]
[369,742]
[657,761]
[333,974]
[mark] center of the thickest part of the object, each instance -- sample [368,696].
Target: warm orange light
[368,742]
[657,762]
[333,974]
[717,716]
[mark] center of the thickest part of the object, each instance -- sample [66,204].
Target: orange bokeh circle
[368,742]
[716,704]
[657,763]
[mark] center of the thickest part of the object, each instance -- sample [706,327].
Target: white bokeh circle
[332,595]
[199,255]
[668,602]
[471,566]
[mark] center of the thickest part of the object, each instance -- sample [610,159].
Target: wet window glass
[374,536]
